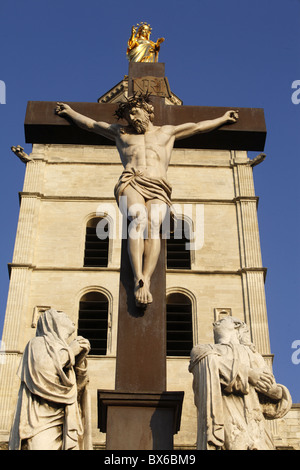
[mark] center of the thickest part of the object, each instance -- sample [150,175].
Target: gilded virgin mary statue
[140,47]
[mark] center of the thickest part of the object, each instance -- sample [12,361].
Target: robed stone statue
[235,391]
[53,408]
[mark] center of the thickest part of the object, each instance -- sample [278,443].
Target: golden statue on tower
[140,48]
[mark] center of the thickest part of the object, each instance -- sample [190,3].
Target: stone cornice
[187,200]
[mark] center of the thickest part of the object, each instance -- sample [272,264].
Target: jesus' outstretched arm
[190,128]
[86,123]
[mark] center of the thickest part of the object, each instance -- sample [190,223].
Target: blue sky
[235,53]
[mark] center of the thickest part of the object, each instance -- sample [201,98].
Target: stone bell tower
[59,261]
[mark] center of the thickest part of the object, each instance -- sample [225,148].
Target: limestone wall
[287,436]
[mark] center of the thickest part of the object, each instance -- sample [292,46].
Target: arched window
[178,256]
[179,325]
[96,243]
[93,321]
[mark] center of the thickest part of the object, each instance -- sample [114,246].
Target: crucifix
[145,150]
[134,413]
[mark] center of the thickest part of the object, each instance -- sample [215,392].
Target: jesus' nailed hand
[145,152]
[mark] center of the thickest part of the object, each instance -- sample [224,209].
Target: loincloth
[149,188]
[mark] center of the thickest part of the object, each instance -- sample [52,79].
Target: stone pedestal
[139,421]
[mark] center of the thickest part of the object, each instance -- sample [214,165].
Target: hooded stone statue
[53,410]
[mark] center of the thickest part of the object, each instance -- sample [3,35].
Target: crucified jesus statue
[145,152]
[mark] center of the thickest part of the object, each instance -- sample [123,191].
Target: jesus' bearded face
[138,118]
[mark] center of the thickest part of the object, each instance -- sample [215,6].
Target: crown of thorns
[141,100]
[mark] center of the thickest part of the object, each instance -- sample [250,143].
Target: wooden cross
[42,125]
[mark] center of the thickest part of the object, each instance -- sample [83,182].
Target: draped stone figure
[53,408]
[235,392]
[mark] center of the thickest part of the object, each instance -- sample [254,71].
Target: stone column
[19,288]
[253,272]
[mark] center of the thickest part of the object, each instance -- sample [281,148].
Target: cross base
[139,421]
